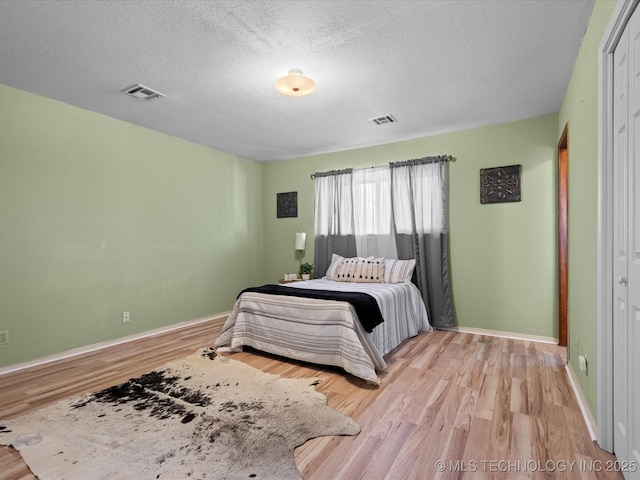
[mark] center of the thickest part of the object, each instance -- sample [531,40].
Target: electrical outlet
[584,364]
[125,317]
[4,337]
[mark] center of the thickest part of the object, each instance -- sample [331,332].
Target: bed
[326,332]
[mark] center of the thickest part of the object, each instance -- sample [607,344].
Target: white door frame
[617,23]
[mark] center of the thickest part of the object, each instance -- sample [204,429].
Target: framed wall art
[287,205]
[500,184]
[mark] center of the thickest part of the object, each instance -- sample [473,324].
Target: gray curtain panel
[431,275]
[333,218]
[428,241]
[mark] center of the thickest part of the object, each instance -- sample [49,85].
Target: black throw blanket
[364,304]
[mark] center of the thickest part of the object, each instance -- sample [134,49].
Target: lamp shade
[301,239]
[295,84]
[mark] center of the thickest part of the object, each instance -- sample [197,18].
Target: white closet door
[633,235]
[626,238]
[620,162]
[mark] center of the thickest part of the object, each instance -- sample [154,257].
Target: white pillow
[332,271]
[398,271]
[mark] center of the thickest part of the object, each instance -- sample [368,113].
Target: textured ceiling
[437,66]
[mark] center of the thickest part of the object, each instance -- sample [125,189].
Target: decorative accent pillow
[369,270]
[398,271]
[347,269]
[361,270]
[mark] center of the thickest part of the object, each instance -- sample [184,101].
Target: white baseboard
[98,346]
[582,401]
[498,333]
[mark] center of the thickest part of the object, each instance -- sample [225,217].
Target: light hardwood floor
[486,407]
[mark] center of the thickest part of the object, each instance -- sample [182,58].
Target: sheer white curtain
[417,199]
[372,215]
[333,204]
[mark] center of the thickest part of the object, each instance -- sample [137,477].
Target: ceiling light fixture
[295,84]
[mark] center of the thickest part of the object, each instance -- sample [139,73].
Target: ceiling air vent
[384,119]
[142,92]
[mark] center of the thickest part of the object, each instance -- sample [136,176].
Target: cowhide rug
[204,417]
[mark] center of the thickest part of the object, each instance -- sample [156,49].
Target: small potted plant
[305,271]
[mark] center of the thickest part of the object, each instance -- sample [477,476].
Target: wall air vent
[384,119]
[142,92]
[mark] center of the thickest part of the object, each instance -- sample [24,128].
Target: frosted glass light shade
[301,239]
[295,84]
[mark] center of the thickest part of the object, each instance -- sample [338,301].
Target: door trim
[618,21]
[563,245]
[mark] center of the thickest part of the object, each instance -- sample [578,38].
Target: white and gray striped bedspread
[326,332]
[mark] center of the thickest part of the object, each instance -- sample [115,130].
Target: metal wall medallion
[500,184]
[287,204]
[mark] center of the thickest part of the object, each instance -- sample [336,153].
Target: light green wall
[98,216]
[580,110]
[503,255]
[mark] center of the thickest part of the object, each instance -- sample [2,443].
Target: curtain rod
[331,172]
[423,160]
[417,161]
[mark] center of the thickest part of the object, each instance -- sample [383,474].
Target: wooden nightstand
[282,280]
